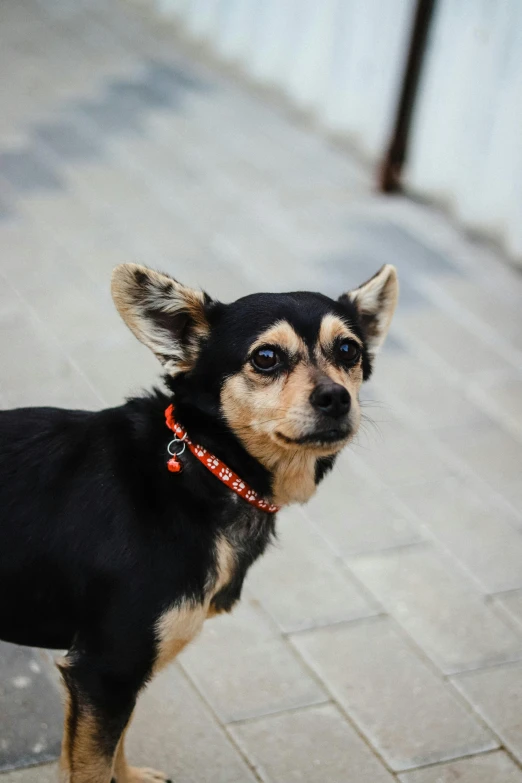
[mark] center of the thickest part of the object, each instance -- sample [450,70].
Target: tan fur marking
[225,566]
[175,629]
[139,775]
[123,773]
[81,761]
[65,756]
[294,477]
[257,406]
[333,327]
[120,766]
[179,625]
[281,333]
[258,412]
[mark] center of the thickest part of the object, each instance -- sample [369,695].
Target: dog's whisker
[374,404]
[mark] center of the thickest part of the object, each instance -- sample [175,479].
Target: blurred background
[246,145]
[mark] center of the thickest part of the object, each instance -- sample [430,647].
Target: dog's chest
[179,625]
[234,552]
[245,540]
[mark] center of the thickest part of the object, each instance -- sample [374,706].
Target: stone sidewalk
[382,640]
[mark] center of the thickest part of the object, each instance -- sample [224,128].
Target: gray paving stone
[31,715]
[511,604]
[394,346]
[428,399]
[483,535]
[494,767]
[26,172]
[29,253]
[408,713]
[173,730]
[496,694]
[439,607]
[396,245]
[47,773]
[63,391]
[116,365]
[356,266]
[253,671]
[113,116]
[456,347]
[64,139]
[6,211]
[312,746]
[300,585]
[512,490]
[152,230]
[397,455]
[125,103]
[350,268]
[502,398]
[82,236]
[355,516]
[493,454]
[28,353]
[492,305]
[70,304]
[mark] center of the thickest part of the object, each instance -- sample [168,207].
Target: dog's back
[40,452]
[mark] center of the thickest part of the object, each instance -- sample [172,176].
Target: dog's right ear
[167,317]
[376,301]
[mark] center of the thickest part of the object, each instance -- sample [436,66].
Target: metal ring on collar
[176,453]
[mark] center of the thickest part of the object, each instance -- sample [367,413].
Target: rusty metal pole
[391,167]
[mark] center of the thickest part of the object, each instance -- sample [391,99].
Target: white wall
[342,60]
[466,146]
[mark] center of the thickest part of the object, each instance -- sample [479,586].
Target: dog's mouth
[326,437]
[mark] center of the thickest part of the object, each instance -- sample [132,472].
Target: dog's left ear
[166,316]
[376,301]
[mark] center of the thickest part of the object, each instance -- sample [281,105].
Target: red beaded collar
[212,463]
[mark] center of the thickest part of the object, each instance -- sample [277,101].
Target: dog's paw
[144,775]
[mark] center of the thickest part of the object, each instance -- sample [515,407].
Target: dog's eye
[265,359]
[349,351]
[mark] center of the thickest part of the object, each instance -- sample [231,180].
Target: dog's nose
[331,398]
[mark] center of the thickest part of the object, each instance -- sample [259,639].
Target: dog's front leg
[123,773]
[98,707]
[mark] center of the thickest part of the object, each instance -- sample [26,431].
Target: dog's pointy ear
[164,315]
[375,301]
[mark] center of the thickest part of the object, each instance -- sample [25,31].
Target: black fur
[98,538]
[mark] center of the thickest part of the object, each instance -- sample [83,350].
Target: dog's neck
[294,478]
[209,430]
[284,477]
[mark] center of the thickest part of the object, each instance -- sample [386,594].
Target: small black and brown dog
[106,552]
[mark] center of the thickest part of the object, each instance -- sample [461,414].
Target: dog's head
[283,370]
